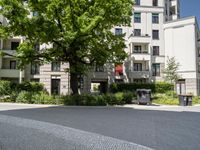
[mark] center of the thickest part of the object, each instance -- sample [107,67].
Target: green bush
[24,97]
[128,97]
[30,86]
[165,99]
[5,87]
[159,87]
[110,99]
[196,100]
[101,101]
[120,98]
[43,98]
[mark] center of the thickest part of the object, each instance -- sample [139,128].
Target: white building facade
[155,25]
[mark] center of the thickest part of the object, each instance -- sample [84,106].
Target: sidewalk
[195,108]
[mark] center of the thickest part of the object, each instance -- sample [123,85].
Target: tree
[170,71]
[79,30]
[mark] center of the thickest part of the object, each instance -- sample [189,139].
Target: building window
[14,45]
[155,2]
[55,66]
[137,49]
[155,34]
[35,68]
[137,2]
[13,64]
[118,31]
[155,69]
[137,17]
[99,69]
[137,66]
[155,18]
[156,50]
[137,32]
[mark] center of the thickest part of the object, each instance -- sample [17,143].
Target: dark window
[156,50]
[155,34]
[35,68]
[155,18]
[55,66]
[14,45]
[137,2]
[13,64]
[156,69]
[137,49]
[118,31]
[137,67]
[137,17]
[155,2]
[137,32]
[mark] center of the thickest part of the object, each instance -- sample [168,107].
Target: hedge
[159,87]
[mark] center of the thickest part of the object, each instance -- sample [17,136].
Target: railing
[141,52]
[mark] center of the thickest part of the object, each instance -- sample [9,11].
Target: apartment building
[182,40]
[155,24]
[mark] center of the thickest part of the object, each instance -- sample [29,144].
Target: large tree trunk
[74,83]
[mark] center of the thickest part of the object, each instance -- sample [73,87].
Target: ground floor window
[155,69]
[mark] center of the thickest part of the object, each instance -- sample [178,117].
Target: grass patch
[165,99]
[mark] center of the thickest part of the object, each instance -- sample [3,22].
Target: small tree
[170,71]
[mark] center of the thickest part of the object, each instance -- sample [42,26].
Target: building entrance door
[180,87]
[55,86]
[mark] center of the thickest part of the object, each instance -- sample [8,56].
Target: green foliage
[24,97]
[165,99]
[5,87]
[170,71]
[43,98]
[196,100]
[79,30]
[159,87]
[30,86]
[128,97]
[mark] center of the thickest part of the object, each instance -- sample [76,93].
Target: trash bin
[185,100]
[144,96]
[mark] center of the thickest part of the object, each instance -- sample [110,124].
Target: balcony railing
[139,38]
[140,52]
[10,73]
[139,74]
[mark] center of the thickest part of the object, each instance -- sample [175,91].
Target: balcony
[100,75]
[9,52]
[10,73]
[143,56]
[139,74]
[139,39]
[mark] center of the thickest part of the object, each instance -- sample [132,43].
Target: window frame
[137,17]
[56,68]
[156,70]
[155,18]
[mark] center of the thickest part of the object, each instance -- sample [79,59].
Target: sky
[190,8]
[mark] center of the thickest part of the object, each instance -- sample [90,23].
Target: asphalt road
[52,127]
